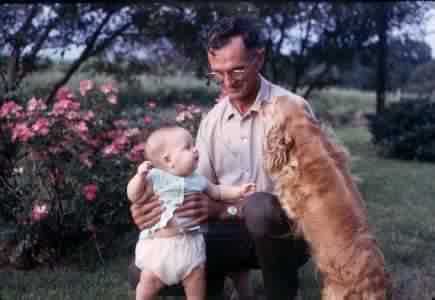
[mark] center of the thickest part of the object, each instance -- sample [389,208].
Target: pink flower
[90,141]
[85,86]
[21,132]
[151,104]
[72,115]
[132,132]
[8,108]
[111,134]
[39,212]
[64,93]
[118,145]
[194,109]
[108,88]
[136,153]
[111,149]
[90,192]
[35,104]
[120,123]
[81,127]
[183,116]
[41,126]
[112,99]
[64,105]
[88,115]
[147,120]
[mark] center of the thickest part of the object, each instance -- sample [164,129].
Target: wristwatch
[232,210]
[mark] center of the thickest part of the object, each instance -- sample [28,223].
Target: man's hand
[247,189]
[199,207]
[146,211]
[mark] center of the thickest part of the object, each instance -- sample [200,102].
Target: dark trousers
[256,243]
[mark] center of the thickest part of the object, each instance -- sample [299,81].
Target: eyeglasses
[236,75]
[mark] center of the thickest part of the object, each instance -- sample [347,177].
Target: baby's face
[184,155]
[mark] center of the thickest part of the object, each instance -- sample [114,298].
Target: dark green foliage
[406,130]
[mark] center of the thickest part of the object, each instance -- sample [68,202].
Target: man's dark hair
[228,27]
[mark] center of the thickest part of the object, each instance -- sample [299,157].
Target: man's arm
[200,208]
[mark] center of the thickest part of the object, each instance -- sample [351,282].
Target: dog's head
[284,119]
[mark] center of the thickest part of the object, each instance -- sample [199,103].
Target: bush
[65,166]
[406,130]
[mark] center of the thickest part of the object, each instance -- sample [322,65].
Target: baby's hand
[247,189]
[144,168]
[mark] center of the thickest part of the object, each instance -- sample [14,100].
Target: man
[255,232]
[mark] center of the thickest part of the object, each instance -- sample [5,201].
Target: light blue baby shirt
[171,190]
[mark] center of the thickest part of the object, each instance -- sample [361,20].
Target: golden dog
[316,190]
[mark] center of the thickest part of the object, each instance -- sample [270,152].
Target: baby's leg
[195,284]
[148,287]
[242,284]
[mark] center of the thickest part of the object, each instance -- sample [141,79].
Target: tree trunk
[381,84]
[269,66]
[12,70]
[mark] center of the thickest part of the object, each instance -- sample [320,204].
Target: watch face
[232,210]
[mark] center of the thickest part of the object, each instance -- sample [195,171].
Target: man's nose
[227,80]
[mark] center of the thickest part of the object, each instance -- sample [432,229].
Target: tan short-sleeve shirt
[230,145]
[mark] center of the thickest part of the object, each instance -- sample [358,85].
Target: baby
[169,253]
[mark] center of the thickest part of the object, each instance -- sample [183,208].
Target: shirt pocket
[230,139]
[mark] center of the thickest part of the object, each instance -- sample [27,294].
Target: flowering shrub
[188,116]
[66,165]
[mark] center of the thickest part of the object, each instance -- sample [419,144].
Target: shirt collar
[263,96]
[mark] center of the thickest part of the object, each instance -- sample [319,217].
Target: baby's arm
[137,185]
[229,193]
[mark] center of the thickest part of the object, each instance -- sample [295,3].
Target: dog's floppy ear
[288,137]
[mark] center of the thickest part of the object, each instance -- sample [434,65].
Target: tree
[30,29]
[307,41]
[405,54]
[390,16]
[381,74]
[120,29]
[421,80]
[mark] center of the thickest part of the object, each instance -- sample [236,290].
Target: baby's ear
[166,158]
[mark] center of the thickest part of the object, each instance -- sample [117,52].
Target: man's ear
[260,52]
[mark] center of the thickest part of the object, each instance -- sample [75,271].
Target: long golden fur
[316,190]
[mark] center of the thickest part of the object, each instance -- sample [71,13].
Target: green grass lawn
[400,197]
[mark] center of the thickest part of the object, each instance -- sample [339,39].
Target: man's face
[236,68]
